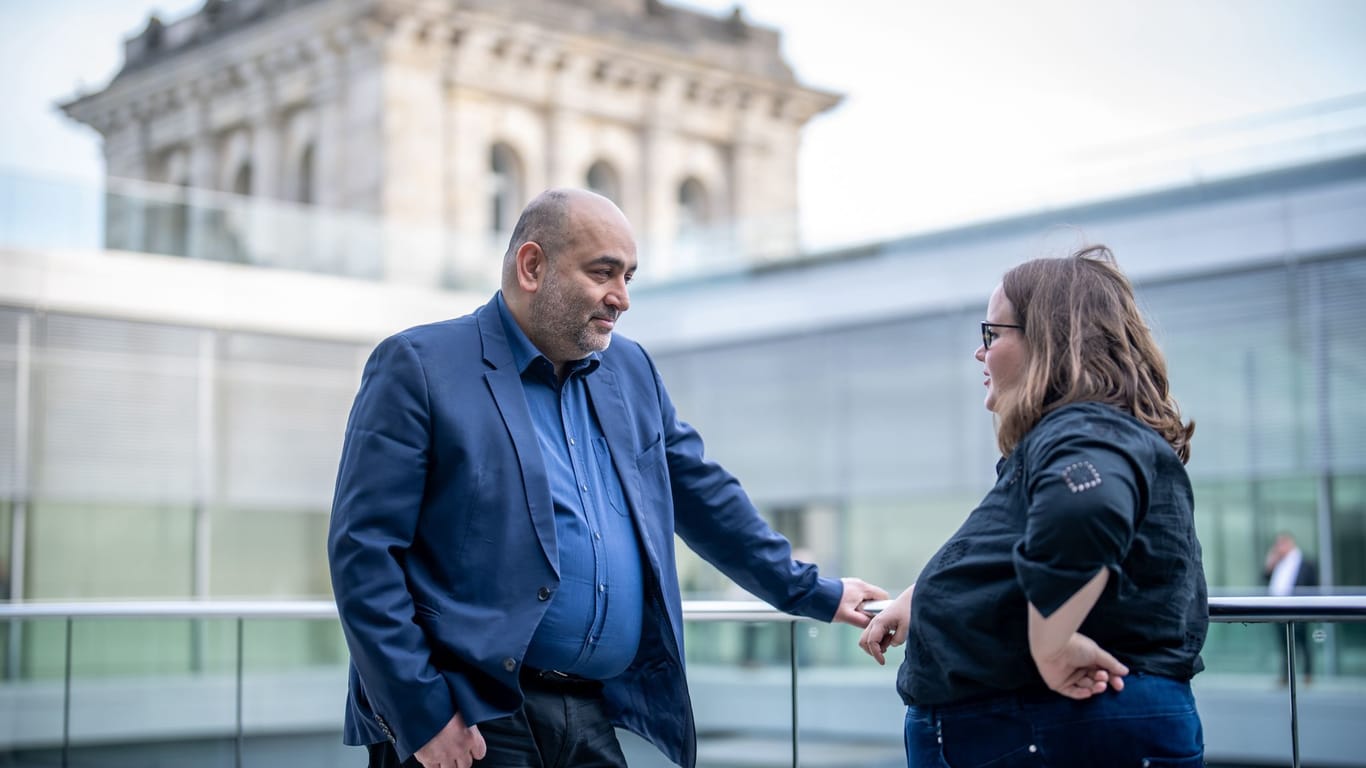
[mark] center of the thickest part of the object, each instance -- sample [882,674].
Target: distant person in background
[1287,572]
[1062,623]
[502,533]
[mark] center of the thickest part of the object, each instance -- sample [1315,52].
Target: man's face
[584,290]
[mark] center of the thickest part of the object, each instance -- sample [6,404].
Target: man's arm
[375,512]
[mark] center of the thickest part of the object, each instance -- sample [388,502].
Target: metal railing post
[237,744]
[66,699]
[1294,699]
[792,660]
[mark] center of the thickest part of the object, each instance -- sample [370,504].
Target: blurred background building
[442,120]
[289,182]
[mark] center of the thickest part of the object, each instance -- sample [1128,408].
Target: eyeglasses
[989,335]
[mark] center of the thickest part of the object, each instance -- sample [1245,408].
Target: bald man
[502,532]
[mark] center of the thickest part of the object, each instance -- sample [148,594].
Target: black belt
[554,680]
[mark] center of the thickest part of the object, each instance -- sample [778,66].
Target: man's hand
[889,628]
[856,593]
[1081,669]
[454,747]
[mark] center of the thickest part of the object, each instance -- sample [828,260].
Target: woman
[1061,624]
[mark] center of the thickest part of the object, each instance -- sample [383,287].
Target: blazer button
[543,593]
[509,663]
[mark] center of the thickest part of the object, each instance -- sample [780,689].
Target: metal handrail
[1248,609]
[1331,608]
[693,610]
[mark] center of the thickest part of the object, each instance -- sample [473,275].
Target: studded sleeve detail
[1081,476]
[1089,484]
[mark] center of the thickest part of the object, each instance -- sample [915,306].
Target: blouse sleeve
[1086,485]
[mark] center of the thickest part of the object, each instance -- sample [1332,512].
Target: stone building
[434,122]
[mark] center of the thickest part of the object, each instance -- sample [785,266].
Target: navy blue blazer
[442,538]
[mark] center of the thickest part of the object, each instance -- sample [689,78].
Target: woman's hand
[889,628]
[1081,669]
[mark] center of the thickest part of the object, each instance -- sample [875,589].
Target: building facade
[442,120]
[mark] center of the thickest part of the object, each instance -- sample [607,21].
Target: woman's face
[1005,361]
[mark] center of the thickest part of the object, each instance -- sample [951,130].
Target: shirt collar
[525,354]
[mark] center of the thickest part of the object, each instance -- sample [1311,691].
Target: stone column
[205,214]
[564,125]
[756,173]
[264,123]
[329,99]
[126,163]
[411,118]
[657,224]
[470,145]
[265,225]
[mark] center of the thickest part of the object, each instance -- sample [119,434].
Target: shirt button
[509,663]
[571,441]
[1033,749]
[597,535]
[585,487]
[543,593]
[602,587]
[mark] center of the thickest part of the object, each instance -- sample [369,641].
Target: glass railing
[262,684]
[44,213]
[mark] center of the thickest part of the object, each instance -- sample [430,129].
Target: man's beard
[561,317]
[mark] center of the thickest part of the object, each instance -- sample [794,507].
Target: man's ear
[531,266]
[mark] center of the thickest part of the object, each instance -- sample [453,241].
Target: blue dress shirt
[592,627]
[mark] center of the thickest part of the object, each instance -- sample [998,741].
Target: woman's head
[1081,339]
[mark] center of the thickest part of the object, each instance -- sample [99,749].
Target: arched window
[241,181]
[505,188]
[603,179]
[306,176]
[694,210]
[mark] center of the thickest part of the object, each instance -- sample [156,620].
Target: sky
[953,111]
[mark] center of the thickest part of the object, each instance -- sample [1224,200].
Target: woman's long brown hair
[1087,343]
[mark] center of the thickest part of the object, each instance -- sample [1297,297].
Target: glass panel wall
[883,424]
[152,461]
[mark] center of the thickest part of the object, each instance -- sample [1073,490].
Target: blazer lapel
[612,414]
[505,384]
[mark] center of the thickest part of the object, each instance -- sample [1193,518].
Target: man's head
[565,272]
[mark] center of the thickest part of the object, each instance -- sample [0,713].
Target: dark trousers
[562,724]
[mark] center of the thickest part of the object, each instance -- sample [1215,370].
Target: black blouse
[1089,487]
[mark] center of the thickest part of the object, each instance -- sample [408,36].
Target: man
[502,532]
[1287,572]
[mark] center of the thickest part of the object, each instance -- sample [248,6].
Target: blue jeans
[1152,723]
